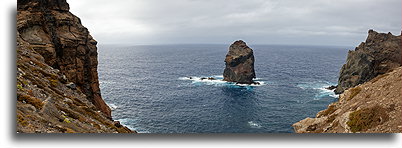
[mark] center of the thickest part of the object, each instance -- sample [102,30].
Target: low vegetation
[364,119]
[37,103]
[353,92]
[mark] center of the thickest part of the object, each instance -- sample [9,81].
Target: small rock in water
[331,87]
[210,78]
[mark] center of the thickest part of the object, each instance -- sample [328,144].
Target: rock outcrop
[239,64]
[57,80]
[59,37]
[370,83]
[373,107]
[378,55]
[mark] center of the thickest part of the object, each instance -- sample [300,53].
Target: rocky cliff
[380,54]
[370,83]
[373,107]
[239,64]
[57,79]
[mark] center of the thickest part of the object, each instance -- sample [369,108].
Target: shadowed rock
[239,64]
[58,36]
[378,55]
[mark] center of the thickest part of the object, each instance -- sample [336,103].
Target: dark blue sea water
[148,90]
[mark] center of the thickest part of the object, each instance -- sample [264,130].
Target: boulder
[239,64]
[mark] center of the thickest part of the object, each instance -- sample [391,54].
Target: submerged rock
[331,87]
[239,64]
[378,55]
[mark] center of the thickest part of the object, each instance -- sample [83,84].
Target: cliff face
[373,107]
[370,83]
[239,64]
[57,81]
[58,35]
[380,54]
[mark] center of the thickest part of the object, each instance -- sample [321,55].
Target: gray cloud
[320,22]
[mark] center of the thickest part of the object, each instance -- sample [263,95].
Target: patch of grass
[353,92]
[53,82]
[37,103]
[19,87]
[364,119]
[21,120]
[331,109]
[331,118]
[71,114]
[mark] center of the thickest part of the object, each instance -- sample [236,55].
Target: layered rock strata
[380,54]
[59,37]
[239,64]
[57,80]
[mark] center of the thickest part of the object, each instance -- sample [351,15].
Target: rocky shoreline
[370,91]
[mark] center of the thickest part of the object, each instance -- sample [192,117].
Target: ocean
[149,89]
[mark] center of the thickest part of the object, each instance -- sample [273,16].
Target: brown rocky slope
[370,83]
[57,80]
[373,107]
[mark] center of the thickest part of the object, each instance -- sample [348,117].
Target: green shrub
[364,119]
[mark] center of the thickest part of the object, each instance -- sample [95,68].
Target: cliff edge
[381,53]
[57,80]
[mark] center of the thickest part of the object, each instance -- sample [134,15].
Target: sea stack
[380,54]
[239,64]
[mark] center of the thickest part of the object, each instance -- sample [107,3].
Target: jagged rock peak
[378,55]
[239,64]
[43,5]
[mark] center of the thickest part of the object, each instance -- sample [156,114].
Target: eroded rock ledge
[239,64]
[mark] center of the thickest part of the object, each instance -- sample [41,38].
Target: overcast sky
[313,22]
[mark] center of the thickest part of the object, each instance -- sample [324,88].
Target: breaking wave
[320,88]
[131,124]
[217,80]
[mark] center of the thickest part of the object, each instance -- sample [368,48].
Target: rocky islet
[239,64]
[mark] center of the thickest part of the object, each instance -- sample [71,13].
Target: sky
[289,22]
